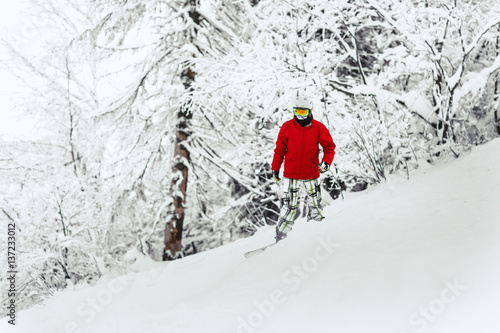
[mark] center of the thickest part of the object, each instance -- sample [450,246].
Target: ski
[257,251]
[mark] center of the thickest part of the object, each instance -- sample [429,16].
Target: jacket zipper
[302,150]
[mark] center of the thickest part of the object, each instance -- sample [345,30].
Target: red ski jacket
[298,146]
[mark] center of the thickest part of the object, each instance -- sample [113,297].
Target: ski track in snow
[404,256]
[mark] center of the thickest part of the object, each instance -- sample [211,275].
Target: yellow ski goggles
[301,112]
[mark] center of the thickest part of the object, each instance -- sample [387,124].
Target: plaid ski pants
[288,212]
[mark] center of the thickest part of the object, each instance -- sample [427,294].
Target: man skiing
[298,145]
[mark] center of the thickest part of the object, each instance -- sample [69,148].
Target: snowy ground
[406,256]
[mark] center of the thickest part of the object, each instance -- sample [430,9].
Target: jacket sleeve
[280,150]
[326,141]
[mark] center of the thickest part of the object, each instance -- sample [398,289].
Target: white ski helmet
[301,102]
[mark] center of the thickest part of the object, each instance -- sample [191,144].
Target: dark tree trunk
[182,159]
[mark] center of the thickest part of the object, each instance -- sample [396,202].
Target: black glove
[323,167]
[276,175]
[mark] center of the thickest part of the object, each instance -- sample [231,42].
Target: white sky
[12,22]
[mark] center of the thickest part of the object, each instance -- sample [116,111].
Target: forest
[157,119]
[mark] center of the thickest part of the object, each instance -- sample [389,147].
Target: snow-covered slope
[406,256]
